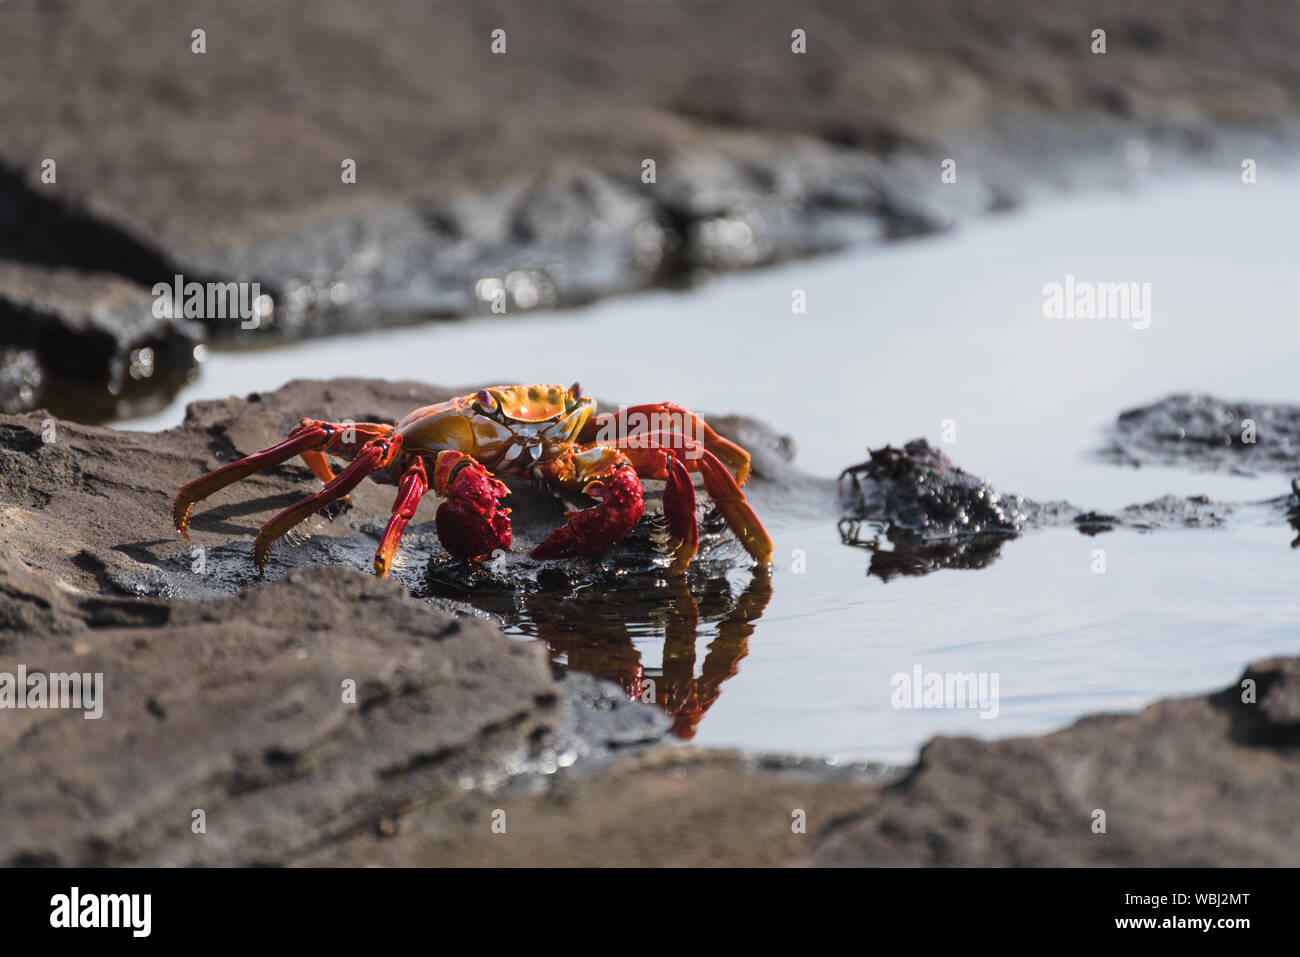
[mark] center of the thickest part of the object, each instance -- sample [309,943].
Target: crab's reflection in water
[602,628]
[594,636]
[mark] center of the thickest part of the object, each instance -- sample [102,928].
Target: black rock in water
[1202,432]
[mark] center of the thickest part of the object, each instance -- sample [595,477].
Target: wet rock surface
[1206,433]
[105,496]
[916,512]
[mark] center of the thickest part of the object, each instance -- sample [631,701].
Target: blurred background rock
[522,171]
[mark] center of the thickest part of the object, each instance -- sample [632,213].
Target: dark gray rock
[238,707]
[1202,432]
[921,492]
[915,513]
[931,513]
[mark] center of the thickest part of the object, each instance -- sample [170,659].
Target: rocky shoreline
[229,695]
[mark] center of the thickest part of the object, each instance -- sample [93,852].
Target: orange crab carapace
[544,432]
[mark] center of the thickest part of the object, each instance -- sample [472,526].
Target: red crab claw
[471,522]
[595,529]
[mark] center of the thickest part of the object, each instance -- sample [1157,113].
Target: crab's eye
[487,403]
[575,390]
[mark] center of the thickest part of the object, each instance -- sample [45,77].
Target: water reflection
[597,632]
[608,627]
[896,551]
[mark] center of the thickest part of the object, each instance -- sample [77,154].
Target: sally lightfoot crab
[544,432]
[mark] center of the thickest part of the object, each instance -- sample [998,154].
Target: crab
[544,432]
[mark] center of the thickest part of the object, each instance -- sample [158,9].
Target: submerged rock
[1169,511]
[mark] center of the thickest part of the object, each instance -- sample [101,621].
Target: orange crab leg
[666,417]
[415,482]
[646,451]
[364,432]
[375,454]
[319,464]
[310,440]
[678,501]
[731,502]
[303,440]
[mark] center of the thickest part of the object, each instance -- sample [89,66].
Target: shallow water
[896,340]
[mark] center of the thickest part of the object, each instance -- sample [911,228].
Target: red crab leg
[309,439]
[679,503]
[645,450]
[612,427]
[415,482]
[471,522]
[604,473]
[375,454]
[319,464]
[731,502]
[364,432]
[679,511]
